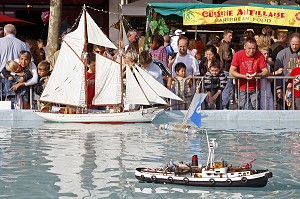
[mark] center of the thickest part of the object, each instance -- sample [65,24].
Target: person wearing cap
[174,39]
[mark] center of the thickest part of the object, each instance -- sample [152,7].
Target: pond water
[54,160]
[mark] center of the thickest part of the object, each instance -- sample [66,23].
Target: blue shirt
[10,48]
[169,50]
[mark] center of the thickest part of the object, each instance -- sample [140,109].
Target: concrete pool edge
[208,115]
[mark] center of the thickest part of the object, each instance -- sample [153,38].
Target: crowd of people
[22,66]
[228,68]
[258,71]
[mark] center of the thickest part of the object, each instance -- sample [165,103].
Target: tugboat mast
[211,152]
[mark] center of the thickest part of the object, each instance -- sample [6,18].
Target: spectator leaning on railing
[246,65]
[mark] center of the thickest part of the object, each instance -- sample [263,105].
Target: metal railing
[198,86]
[198,83]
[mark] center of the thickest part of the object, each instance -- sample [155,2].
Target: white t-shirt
[155,72]
[192,66]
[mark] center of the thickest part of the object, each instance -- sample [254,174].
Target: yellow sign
[242,14]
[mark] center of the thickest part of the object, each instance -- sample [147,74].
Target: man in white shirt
[192,67]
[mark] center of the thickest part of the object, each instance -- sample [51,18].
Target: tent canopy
[246,2]
[168,9]
[5,19]
[138,8]
[176,11]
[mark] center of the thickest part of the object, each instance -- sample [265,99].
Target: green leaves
[159,26]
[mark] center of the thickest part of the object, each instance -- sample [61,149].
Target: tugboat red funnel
[195,160]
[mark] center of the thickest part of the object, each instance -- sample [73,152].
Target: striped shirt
[214,83]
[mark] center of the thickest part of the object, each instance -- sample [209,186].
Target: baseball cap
[179,32]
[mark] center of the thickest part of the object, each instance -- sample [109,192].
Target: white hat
[178,32]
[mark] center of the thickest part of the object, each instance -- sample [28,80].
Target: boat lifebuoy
[244,180]
[229,181]
[170,179]
[142,177]
[186,180]
[153,178]
[212,181]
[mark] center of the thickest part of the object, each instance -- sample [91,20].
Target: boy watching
[214,82]
[44,74]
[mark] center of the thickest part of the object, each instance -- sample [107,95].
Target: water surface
[54,160]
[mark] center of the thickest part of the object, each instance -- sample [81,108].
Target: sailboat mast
[85,47]
[121,59]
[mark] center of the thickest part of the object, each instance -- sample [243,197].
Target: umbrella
[8,19]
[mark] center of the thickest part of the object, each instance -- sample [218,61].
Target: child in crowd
[44,74]
[182,86]
[266,97]
[214,82]
[293,87]
[14,74]
[42,48]
[26,64]
[90,77]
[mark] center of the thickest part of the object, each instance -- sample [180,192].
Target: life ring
[212,181]
[244,180]
[142,177]
[170,179]
[153,178]
[228,181]
[186,180]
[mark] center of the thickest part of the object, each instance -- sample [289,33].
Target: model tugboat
[213,174]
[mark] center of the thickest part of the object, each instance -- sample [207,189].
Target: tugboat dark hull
[256,180]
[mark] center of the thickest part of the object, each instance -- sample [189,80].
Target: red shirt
[90,77]
[248,65]
[296,90]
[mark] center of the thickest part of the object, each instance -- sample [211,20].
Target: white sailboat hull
[138,116]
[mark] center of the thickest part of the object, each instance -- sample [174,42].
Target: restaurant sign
[242,14]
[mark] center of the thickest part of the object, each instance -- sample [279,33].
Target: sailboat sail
[148,91]
[67,84]
[108,81]
[134,93]
[124,36]
[157,87]
[198,98]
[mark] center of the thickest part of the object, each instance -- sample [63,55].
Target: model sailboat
[193,114]
[66,89]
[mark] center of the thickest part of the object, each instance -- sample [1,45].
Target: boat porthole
[229,181]
[170,179]
[186,180]
[153,178]
[244,180]
[212,181]
[142,177]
